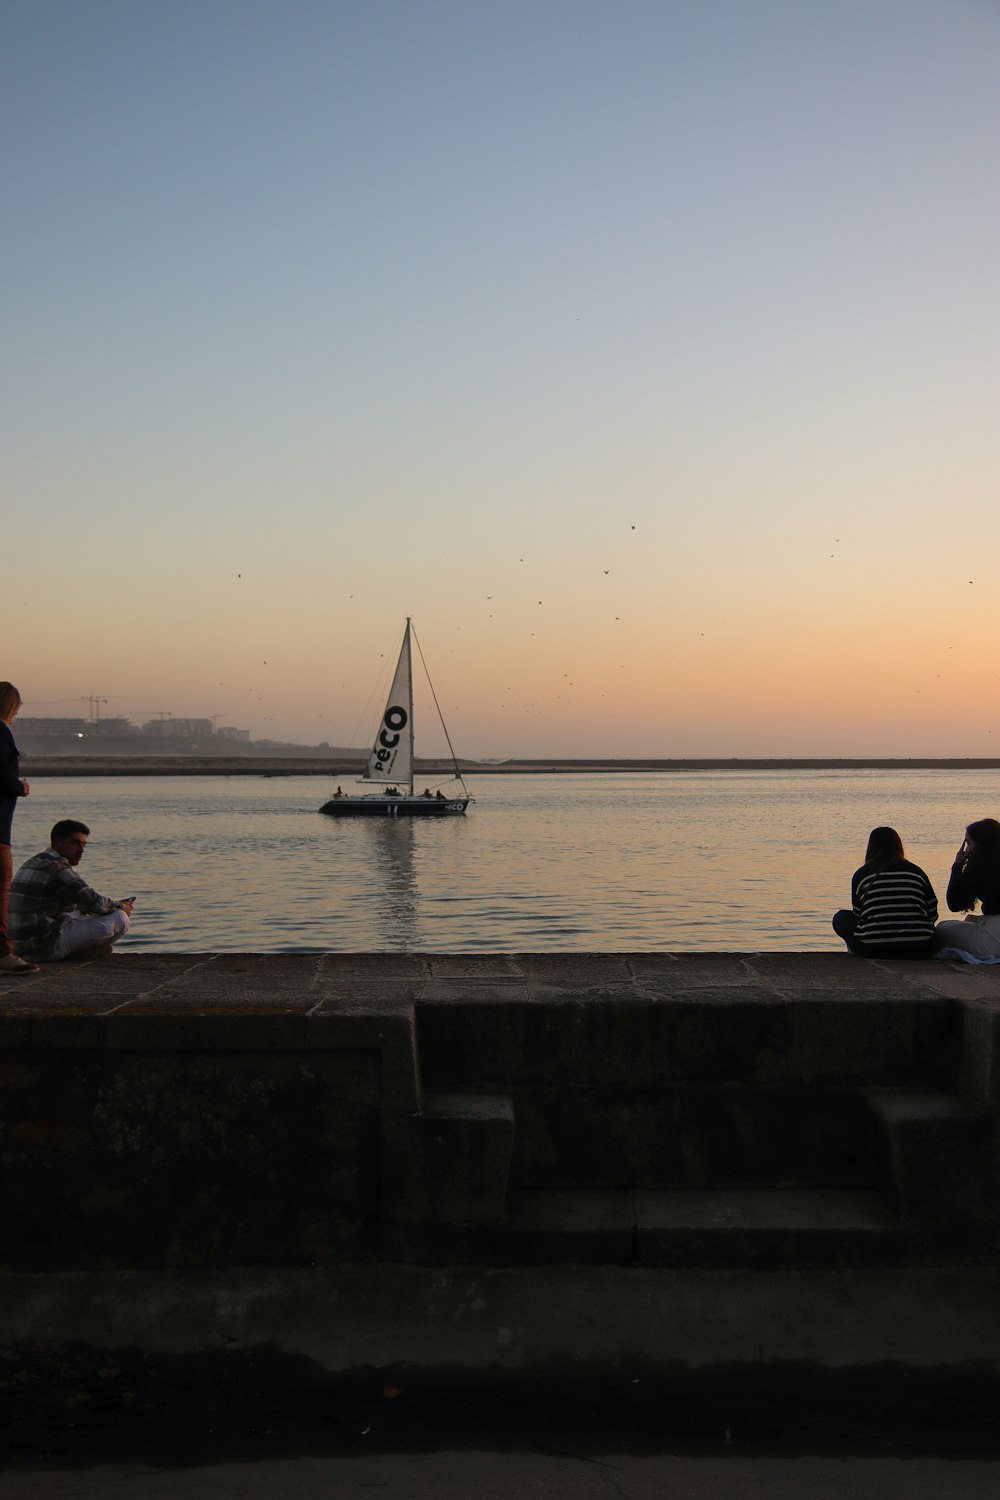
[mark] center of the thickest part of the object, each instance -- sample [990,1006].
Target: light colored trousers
[978,935]
[87,932]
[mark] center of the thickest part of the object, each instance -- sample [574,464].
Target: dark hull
[394,807]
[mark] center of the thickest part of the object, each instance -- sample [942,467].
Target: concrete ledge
[556,1320]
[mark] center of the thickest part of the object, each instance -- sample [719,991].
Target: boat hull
[394,807]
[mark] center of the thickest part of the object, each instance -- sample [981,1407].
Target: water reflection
[395,897]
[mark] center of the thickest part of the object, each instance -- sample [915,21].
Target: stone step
[763,1227]
[935,1156]
[449,1162]
[693,1136]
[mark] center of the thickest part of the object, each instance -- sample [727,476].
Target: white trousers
[978,935]
[86,932]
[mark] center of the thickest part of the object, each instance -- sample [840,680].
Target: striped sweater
[896,904]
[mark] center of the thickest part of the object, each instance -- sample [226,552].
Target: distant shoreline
[275,766]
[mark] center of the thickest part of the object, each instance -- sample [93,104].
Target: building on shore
[164,736]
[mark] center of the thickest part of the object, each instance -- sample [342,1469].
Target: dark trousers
[6,875]
[845,925]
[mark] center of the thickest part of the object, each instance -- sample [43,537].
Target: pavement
[151,1432]
[493,1475]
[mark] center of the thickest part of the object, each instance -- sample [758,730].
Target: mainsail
[392,753]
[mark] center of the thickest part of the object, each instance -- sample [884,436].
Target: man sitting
[54,913]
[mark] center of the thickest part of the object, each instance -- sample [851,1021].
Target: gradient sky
[645,353]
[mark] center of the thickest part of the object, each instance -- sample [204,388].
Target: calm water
[715,860]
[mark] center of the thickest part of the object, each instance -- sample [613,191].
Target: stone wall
[188,1113]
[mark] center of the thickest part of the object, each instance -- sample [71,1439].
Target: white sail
[392,753]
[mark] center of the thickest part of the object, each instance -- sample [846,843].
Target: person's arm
[961,894]
[930,899]
[74,891]
[855,883]
[11,785]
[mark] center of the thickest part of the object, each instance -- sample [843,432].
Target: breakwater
[319,765]
[547,1163]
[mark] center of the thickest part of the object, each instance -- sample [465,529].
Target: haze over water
[710,861]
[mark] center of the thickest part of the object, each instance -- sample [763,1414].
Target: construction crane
[95,707]
[92,700]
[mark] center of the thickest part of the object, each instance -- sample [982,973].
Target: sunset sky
[645,352]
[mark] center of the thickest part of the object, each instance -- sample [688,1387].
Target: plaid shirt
[44,892]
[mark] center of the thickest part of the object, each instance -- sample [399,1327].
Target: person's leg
[980,936]
[896,950]
[6,876]
[79,933]
[844,924]
[9,961]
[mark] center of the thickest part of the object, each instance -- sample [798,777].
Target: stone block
[575,971]
[561,1228]
[737,1035]
[518,1043]
[472,965]
[667,973]
[841,972]
[50,1028]
[935,1156]
[979,1066]
[186,1160]
[391,1033]
[450,1163]
[215,1028]
[868,1039]
[689,1135]
[775,1227]
[372,967]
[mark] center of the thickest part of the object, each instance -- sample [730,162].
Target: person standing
[975,876]
[12,786]
[894,907]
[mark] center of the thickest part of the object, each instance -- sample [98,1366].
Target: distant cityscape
[164,735]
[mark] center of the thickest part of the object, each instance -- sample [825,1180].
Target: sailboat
[390,763]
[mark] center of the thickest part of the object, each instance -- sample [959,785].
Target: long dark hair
[884,847]
[982,866]
[10,699]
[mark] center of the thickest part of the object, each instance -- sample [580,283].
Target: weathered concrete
[551,1162]
[555,1320]
[558,1474]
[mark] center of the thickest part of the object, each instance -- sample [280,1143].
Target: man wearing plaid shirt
[54,913]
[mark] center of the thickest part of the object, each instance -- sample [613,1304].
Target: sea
[716,860]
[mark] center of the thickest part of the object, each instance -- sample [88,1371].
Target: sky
[645,352]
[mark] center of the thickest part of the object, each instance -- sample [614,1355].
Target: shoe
[11,964]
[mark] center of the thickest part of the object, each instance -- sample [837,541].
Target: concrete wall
[297,1111]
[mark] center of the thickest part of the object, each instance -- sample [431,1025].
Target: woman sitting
[894,905]
[975,876]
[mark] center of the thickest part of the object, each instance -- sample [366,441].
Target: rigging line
[378,689]
[454,757]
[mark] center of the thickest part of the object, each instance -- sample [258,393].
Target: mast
[409,706]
